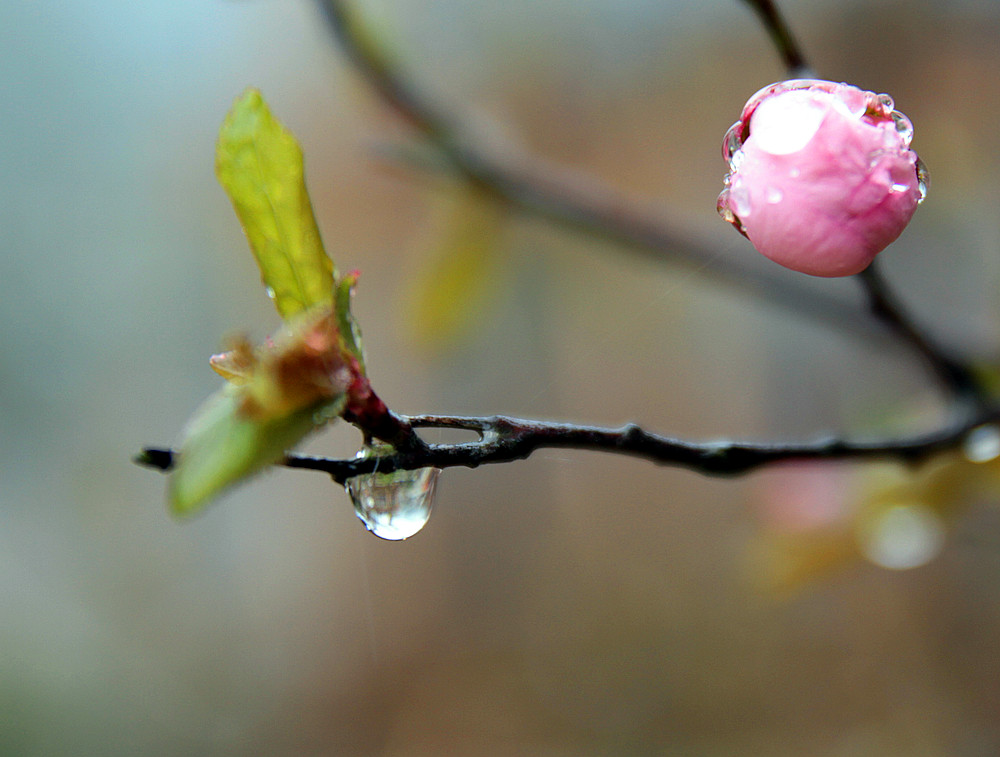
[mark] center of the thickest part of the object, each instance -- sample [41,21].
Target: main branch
[503,439]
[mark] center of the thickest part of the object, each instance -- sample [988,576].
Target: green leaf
[259,163]
[222,446]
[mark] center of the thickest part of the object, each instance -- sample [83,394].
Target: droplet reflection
[394,505]
[903,127]
[923,179]
[733,141]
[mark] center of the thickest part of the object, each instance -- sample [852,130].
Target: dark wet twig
[503,439]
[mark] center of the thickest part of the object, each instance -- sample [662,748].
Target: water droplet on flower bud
[726,212]
[982,444]
[773,195]
[270,292]
[733,141]
[923,180]
[394,505]
[887,103]
[904,127]
[722,205]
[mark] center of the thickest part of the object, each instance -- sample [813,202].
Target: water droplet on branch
[394,505]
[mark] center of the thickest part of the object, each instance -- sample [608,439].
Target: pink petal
[821,176]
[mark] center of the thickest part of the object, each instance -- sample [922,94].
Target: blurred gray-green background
[573,604]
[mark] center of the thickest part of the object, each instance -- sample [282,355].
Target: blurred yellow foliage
[460,275]
[892,516]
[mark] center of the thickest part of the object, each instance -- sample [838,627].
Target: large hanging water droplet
[394,505]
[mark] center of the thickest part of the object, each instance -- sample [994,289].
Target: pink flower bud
[821,176]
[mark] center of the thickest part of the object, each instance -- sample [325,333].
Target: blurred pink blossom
[821,176]
[800,497]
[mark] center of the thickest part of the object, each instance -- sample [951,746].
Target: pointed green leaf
[259,163]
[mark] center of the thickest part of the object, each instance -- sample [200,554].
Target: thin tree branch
[369,413]
[504,439]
